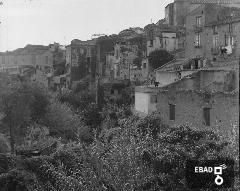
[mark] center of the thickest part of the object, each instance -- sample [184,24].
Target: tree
[137,62]
[21,103]
[15,100]
[158,58]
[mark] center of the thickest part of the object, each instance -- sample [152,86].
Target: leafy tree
[15,100]
[137,62]
[21,103]
[79,100]
[61,121]
[59,69]
[158,58]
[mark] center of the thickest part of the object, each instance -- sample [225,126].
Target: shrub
[61,121]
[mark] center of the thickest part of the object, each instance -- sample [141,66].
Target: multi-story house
[223,38]
[81,61]
[163,36]
[198,32]
[37,58]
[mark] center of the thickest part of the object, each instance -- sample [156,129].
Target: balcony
[197,28]
[215,50]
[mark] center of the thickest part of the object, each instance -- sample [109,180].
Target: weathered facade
[207,97]
[201,32]
[36,60]
[178,69]
[81,60]
[223,34]
[216,111]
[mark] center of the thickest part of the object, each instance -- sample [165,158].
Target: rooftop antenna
[151,21]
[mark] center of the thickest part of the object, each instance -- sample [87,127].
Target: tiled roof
[176,63]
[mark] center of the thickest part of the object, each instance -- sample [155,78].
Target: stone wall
[189,109]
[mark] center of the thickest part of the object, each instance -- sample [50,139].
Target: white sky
[47,21]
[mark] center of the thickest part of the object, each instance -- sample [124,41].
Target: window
[34,59]
[215,41]
[214,29]
[153,99]
[198,21]
[151,37]
[229,40]
[151,42]
[206,115]
[230,27]
[197,40]
[46,60]
[144,65]
[172,112]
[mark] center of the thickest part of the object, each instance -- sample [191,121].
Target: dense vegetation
[67,142]
[157,58]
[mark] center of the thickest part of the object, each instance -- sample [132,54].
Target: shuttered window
[206,115]
[172,111]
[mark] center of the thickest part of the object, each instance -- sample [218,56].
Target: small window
[153,99]
[215,41]
[214,29]
[172,111]
[198,21]
[197,40]
[151,42]
[230,27]
[206,115]
[144,65]
[46,60]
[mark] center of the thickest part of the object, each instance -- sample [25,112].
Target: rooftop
[172,65]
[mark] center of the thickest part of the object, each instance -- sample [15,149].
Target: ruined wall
[189,109]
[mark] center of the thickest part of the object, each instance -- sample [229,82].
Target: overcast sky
[47,21]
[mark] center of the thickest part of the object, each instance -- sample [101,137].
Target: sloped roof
[173,64]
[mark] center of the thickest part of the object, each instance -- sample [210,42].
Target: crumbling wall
[189,109]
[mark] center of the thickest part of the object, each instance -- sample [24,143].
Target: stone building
[177,69]
[81,61]
[206,98]
[223,34]
[36,58]
[202,32]
[165,37]
[175,13]
[126,56]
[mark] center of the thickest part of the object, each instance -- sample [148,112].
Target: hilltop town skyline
[36,23]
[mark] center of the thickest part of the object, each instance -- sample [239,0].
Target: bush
[77,100]
[158,58]
[62,121]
